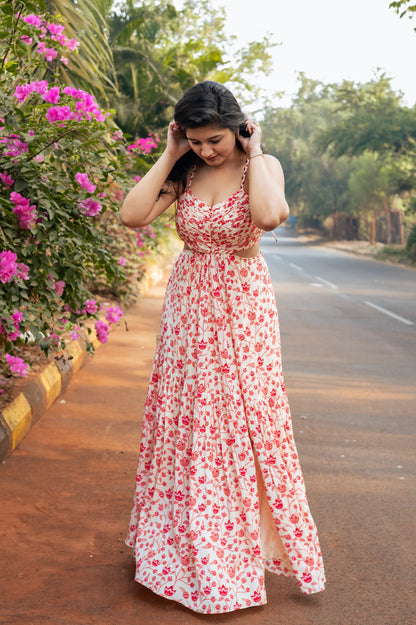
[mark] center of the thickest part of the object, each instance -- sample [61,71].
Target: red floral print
[220,494]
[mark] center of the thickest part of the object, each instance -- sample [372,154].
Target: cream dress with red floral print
[220,495]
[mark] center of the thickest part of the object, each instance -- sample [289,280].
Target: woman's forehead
[206,132]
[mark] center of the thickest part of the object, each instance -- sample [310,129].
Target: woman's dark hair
[207,103]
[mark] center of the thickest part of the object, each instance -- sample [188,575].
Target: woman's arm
[268,205]
[145,202]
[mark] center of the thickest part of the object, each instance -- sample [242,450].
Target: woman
[220,495]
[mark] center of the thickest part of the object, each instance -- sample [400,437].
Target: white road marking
[296,266]
[327,282]
[390,314]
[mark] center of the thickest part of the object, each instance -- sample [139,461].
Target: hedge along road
[67,490]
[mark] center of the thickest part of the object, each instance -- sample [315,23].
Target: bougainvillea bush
[63,169]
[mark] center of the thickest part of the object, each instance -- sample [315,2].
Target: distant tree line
[348,150]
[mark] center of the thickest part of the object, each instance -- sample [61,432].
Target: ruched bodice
[223,227]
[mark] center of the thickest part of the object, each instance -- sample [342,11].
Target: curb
[43,389]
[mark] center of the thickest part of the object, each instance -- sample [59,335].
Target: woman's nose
[206,151]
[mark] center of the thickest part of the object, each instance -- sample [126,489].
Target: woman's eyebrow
[209,138]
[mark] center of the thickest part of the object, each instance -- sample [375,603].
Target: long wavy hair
[207,103]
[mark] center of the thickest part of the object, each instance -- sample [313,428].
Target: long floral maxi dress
[220,495]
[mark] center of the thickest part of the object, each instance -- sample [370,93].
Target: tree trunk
[401,228]
[373,229]
[388,220]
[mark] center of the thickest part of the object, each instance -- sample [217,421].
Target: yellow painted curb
[51,382]
[75,350]
[18,418]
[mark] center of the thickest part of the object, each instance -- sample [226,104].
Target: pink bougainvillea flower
[8,266]
[113,314]
[54,338]
[122,261]
[59,287]
[6,179]
[146,144]
[86,106]
[90,207]
[59,114]
[84,182]
[14,145]
[64,60]
[140,241]
[52,95]
[102,330]
[137,178]
[27,39]
[24,210]
[40,86]
[23,271]
[91,306]
[72,44]
[34,20]
[17,317]
[50,54]
[23,91]
[55,29]
[17,365]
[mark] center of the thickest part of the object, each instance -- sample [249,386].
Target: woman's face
[214,145]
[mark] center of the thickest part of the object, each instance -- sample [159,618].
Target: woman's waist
[245,252]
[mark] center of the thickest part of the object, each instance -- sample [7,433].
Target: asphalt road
[350,370]
[348,329]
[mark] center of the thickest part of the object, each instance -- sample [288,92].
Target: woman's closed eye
[213,141]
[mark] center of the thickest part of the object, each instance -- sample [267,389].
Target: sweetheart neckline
[218,203]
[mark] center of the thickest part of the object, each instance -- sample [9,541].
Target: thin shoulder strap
[191,177]
[243,178]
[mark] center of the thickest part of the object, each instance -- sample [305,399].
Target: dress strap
[243,178]
[191,177]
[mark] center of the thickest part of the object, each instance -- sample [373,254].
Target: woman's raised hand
[177,144]
[252,143]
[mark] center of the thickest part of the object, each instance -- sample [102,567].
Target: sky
[329,40]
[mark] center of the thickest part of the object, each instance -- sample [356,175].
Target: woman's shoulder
[273,163]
